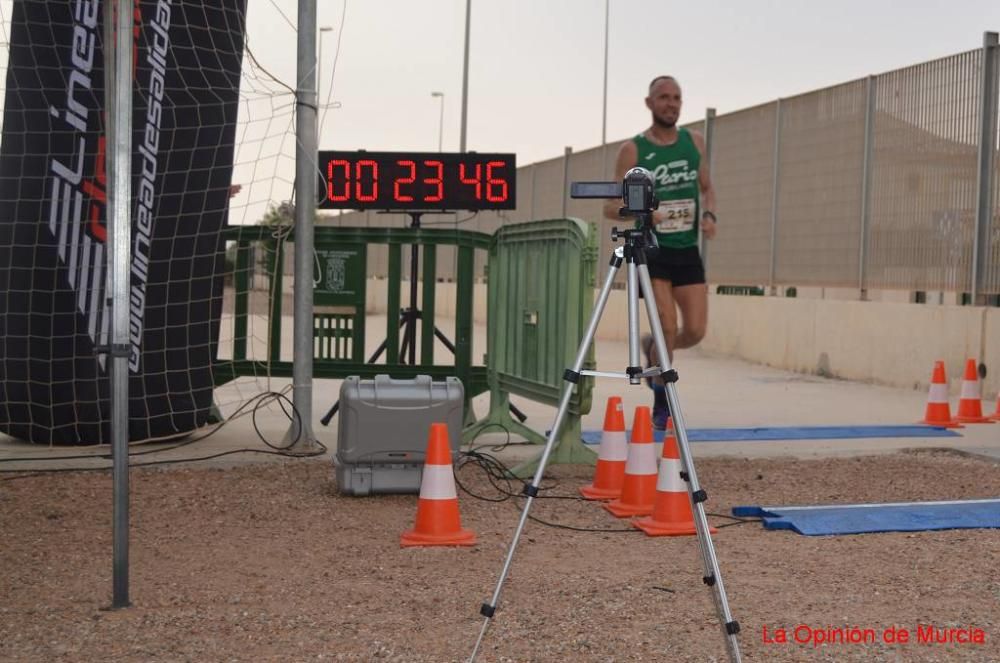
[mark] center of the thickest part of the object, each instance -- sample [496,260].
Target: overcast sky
[536,66]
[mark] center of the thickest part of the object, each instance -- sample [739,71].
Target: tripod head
[638,198]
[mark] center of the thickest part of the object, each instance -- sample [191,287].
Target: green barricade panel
[540,298]
[340,275]
[752,290]
[335,337]
[339,278]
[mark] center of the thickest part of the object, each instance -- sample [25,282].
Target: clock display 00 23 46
[417,180]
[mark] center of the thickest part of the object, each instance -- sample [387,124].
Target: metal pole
[984,178]
[300,436]
[604,116]
[774,196]
[709,141]
[534,171]
[118,86]
[565,190]
[465,75]
[440,120]
[866,184]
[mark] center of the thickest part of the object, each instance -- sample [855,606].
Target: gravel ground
[267,562]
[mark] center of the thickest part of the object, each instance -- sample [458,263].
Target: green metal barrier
[340,287]
[739,290]
[541,296]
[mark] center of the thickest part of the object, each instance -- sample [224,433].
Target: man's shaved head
[661,78]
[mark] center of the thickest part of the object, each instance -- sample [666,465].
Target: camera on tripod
[635,190]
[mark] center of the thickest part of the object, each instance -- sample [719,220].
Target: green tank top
[675,174]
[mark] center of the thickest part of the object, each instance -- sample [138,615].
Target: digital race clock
[417,181]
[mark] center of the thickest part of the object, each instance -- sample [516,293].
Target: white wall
[883,342]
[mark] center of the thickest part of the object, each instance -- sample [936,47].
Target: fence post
[565,188]
[774,197]
[534,171]
[985,168]
[709,128]
[866,182]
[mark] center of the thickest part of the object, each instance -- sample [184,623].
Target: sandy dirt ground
[268,562]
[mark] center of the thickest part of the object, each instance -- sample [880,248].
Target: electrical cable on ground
[497,472]
[258,401]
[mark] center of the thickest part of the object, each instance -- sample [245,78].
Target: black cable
[107,455]
[23,474]
[497,448]
[261,400]
[580,529]
[496,471]
[466,219]
[739,521]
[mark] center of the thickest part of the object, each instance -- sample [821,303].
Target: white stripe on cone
[614,446]
[970,390]
[938,393]
[438,483]
[669,479]
[641,460]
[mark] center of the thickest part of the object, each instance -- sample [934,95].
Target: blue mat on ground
[866,518]
[794,433]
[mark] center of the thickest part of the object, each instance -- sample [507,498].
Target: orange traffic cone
[970,404]
[610,471]
[938,413]
[639,485]
[437,509]
[672,514]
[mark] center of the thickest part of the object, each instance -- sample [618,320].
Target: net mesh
[213,146]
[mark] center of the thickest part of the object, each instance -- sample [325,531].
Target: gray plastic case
[383,429]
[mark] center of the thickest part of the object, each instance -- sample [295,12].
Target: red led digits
[360,180]
[499,194]
[358,193]
[476,181]
[396,194]
[330,193]
[416,181]
[439,181]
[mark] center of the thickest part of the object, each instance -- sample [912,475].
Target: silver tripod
[633,254]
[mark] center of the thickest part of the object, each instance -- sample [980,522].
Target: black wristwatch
[711,215]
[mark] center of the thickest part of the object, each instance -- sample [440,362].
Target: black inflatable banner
[54,307]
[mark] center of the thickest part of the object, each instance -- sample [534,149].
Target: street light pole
[604,117]
[441,121]
[465,76]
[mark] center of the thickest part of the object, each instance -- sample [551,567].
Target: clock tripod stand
[408,318]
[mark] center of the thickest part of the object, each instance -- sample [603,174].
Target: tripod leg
[712,577]
[571,377]
[371,360]
[330,413]
[444,339]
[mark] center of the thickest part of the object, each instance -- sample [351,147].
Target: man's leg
[663,295]
[693,303]
[667,309]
